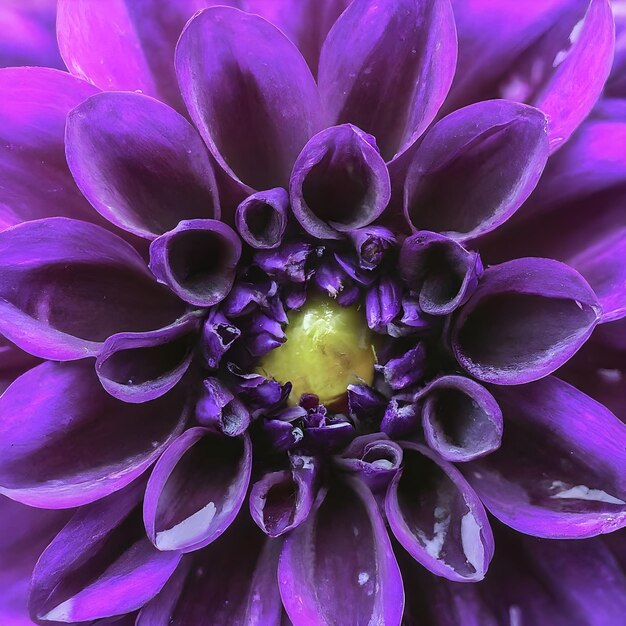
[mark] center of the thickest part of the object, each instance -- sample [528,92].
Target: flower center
[328,347]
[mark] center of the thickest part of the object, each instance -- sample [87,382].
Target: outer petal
[196,489]
[13,363]
[65,286]
[560,472]
[339,567]
[387,66]
[65,442]
[36,181]
[526,319]
[437,517]
[140,164]
[250,94]
[494,152]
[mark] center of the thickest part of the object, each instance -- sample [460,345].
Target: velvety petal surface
[261,218]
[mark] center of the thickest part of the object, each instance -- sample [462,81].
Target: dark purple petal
[218,335]
[197,260]
[494,152]
[441,271]
[257,390]
[461,419]
[66,285]
[526,319]
[560,470]
[219,410]
[365,405]
[339,183]
[329,437]
[254,111]
[287,264]
[383,302]
[196,489]
[100,564]
[371,244]
[137,367]
[340,563]
[387,67]
[65,442]
[36,181]
[281,435]
[262,218]
[400,419]
[406,369]
[437,517]
[244,297]
[13,363]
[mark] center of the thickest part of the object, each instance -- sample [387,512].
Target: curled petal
[218,336]
[405,370]
[400,419]
[437,517]
[461,419]
[254,111]
[441,271]
[560,470]
[196,489]
[340,563]
[262,218]
[60,443]
[66,285]
[219,410]
[339,183]
[526,319]
[138,367]
[371,244]
[383,303]
[494,152]
[197,260]
[288,263]
[398,53]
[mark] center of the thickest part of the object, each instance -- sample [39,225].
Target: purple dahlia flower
[312,312]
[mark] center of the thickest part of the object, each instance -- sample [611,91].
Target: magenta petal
[340,562]
[99,565]
[254,111]
[400,54]
[494,152]
[196,489]
[560,470]
[140,164]
[66,285]
[36,181]
[65,442]
[525,320]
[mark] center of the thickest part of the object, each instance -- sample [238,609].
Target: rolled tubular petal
[371,244]
[138,367]
[196,489]
[66,285]
[560,470]
[140,163]
[494,152]
[525,320]
[254,111]
[60,443]
[197,260]
[461,419]
[399,53]
[339,183]
[218,336]
[339,567]
[400,419]
[36,181]
[436,516]
[262,218]
[100,565]
[219,410]
[441,271]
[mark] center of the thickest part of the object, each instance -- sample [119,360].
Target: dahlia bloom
[312,312]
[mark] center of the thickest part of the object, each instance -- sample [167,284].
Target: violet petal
[405,370]
[262,218]
[218,335]
[383,302]
[219,410]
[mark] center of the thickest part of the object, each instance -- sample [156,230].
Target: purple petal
[196,489]
[218,336]
[560,470]
[494,152]
[526,319]
[254,111]
[339,183]
[340,562]
[383,303]
[219,410]
[400,419]
[406,369]
[400,54]
[65,442]
[371,244]
[461,419]
[437,517]
[262,218]
[140,164]
[197,260]
[287,264]
[13,363]
[100,564]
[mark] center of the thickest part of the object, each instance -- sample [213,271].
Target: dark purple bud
[405,370]
[282,435]
[220,410]
[349,264]
[339,183]
[218,336]
[258,391]
[374,458]
[294,296]
[348,296]
[400,419]
[441,271]
[413,321]
[287,264]
[371,243]
[262,334]
[366,405]
[197,260]
[461,419]
[382,303]
[246,297]
[331,278]
[261,218]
